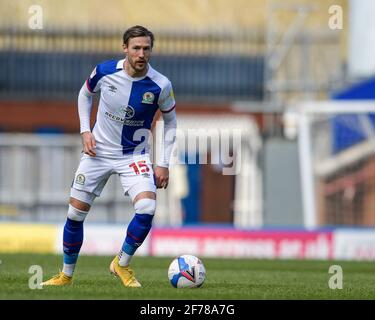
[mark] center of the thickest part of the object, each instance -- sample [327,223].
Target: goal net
[337,162]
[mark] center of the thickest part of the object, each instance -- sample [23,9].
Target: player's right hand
[89,144]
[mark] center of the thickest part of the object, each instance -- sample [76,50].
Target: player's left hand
[161,177]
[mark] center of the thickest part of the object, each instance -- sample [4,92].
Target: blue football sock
[72,240]
[137,232]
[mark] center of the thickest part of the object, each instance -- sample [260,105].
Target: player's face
[138,52]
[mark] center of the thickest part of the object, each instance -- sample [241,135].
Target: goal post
[336,141]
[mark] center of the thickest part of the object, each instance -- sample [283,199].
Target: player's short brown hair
[137,31]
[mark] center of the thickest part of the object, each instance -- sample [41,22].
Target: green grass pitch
[237,279]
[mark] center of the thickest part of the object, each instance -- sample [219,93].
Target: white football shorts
[135,172]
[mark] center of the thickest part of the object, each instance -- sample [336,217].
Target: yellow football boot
[60,279]
[126,274]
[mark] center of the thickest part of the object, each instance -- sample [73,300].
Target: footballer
[131,92]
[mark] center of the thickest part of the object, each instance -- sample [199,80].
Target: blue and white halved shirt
[127,107]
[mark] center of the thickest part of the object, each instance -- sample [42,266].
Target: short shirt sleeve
[93,82]
[166,100]
[105,68]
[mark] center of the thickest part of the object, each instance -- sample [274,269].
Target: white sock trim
[68,269]
[145,206]
[124,259]
[76,214]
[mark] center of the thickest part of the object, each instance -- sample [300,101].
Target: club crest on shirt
[148,98]
[80,179]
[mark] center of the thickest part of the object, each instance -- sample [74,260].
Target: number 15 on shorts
[139,167]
